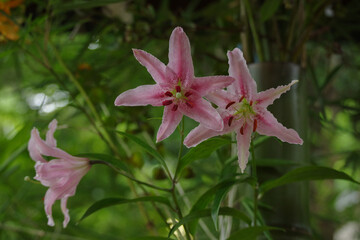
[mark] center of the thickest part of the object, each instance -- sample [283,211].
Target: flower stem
[92,162]
[254,175]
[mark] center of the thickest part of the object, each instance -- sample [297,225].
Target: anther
[167,102]
[251,102]
[188,94]
[242,130]
[230,120]
[241,98]
[169,94]
[189,104]
[178,89]
[174,108]
[229,104]
[255,125]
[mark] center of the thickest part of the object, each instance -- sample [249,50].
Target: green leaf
[108,202]
[269,162]
[329,77]
[221,193]
[268,9]
[307,173]
[145,146]
[107,158]
[207,213]
[206,198]
[250,233]
[203,150]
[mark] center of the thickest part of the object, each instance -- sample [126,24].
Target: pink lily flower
[243,110]
[61,175]
[176,88]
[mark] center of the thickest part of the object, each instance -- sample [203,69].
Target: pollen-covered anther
[189,104]
[242,130]
[241,98]
[188,94]
[251,102]
[178,89]
[229,104]
[167,102]
[175,107]
[169,94]
[255,125]
[230,120]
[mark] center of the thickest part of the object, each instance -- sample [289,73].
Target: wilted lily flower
[61,175]
[243,110]
[176,88]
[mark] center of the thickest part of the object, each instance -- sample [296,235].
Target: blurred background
[70,59]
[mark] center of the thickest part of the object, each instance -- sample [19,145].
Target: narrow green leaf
[206,198]
[207,213]
[216,205]
[145,146]
[108,202]
[329,77]
[107,158]
[203,150]
[250,233]
[268,9]
[307,173]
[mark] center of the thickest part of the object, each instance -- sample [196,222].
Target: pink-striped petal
[50,140]
[201,133]
[154,66]
[38,147]
[170,121]
[65,211]
[268,125]
[141,96]
[180,56]
[202,112]
[243,143]
[221,98]
[244,84]
[266,98]
[49,200]
[206,85]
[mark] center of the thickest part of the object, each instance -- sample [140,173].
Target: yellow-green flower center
[244,109]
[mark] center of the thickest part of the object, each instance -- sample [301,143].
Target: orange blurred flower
[8,28]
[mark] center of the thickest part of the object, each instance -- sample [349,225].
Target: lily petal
[65,211]
[268,125]
[206,85]
[170,121]
[154,66]
[221,98]
[141,96]
[180,55]
[49,200]
[243,144]
[38,147]
[201,133]
[204,113]
[266,98]
[50,140]
[244,84]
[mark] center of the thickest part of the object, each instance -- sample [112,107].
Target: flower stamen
[230,120]
[189,104]
[168,93]
[188,94]
[178,89]
[241,99]
[255,125]
[242,130]
[175,107]
[167,102]
[229,104]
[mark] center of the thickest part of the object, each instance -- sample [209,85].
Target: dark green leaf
[268,9]
[82,4]
[329,77]
[207,213]
[145,146]
[250,233]
[275,162]
[108,202]
[206,198]
[203,150]
[307,173]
